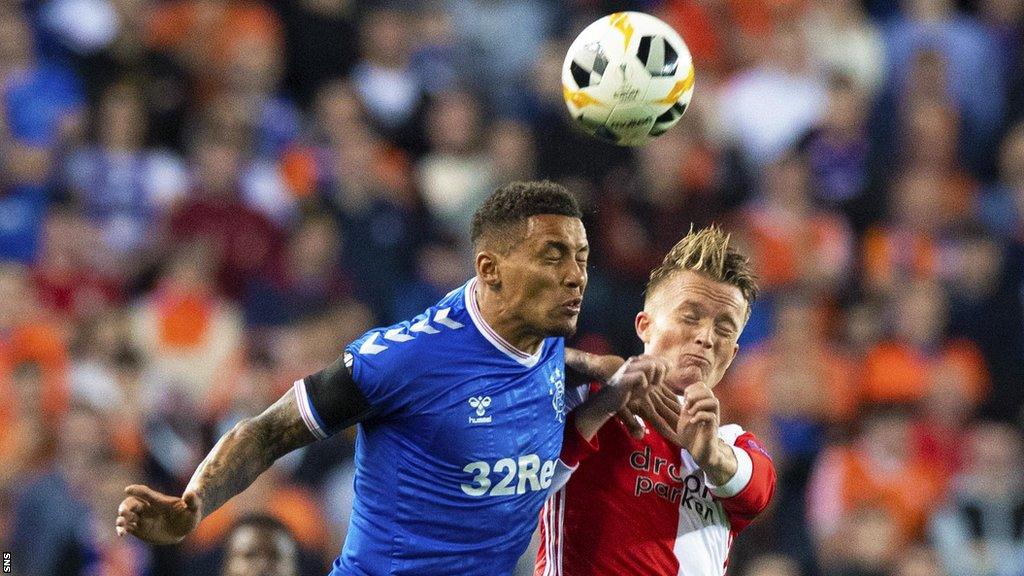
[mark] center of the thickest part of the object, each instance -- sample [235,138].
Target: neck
[506,323]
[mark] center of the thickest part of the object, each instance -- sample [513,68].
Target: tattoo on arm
[249,449]
[590,366]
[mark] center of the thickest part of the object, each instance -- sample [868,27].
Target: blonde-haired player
[671,501]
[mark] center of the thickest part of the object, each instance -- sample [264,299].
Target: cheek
[724,354]
[665,341]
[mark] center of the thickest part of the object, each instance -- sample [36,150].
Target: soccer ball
[627,77]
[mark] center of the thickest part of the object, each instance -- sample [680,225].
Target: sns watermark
[7,562]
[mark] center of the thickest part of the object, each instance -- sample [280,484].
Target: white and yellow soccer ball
[627,78]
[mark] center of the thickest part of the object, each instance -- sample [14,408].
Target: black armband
[330,400]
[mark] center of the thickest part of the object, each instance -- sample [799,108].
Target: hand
[662,409]
[157,518]
[691,424]
[655,370]
[702,407]
[634,378]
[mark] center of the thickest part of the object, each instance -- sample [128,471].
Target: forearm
[592,366]
[246,451]
[239,457]
[595,412]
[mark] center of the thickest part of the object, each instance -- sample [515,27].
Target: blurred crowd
[203,200]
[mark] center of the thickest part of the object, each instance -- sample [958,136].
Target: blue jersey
[455,460]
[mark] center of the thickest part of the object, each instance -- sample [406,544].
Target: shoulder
[414,341]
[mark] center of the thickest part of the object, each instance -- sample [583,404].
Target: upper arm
[330,400]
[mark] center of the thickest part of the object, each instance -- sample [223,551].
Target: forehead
[689,287]
[251,539]
[543,228]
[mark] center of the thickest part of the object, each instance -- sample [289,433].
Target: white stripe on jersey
[561,523]
[549,536]
[554,519]
[306,411]
[528,360]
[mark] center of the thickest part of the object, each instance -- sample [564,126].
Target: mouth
[572,306]
[696,359]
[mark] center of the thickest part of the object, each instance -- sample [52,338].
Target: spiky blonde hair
[707,252]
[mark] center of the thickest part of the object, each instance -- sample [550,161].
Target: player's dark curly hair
[264,522]
[510,206]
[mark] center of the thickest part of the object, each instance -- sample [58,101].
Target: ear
[488,268]
[735,351]
[643,326]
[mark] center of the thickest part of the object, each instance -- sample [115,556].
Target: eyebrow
[694,304]
[563,247]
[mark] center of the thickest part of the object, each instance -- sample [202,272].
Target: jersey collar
[528,360]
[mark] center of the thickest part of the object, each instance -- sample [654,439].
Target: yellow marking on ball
[620,20]
[677,90]
[578,97]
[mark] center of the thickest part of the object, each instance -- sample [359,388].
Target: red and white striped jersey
[644,507]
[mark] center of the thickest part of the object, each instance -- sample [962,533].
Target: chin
[563,330]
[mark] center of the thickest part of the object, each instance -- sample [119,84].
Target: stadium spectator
[245,245]
[119,183]
[879,474]
[973,76]
[261,545]
[110,108]
[391,91]
[188,333]
[843,161]
[766,108]
[75,276]
[843,41]
[455,176]
[312,279]
[868,543]
[59,525]
[794,243]
[978,530]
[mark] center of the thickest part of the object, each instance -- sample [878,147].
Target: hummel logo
[481,403]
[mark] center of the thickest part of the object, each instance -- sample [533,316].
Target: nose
[576,276]
[705,337]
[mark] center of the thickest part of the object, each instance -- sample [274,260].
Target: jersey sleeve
[575,448]
[750,490]
[366,382]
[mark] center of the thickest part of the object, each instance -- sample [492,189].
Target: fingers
[664,410]
[124,526]
[705,418]
[147,494]
[705,405]
[695,393]
[644,372]
[129,514]
[632,424]
[133,504]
